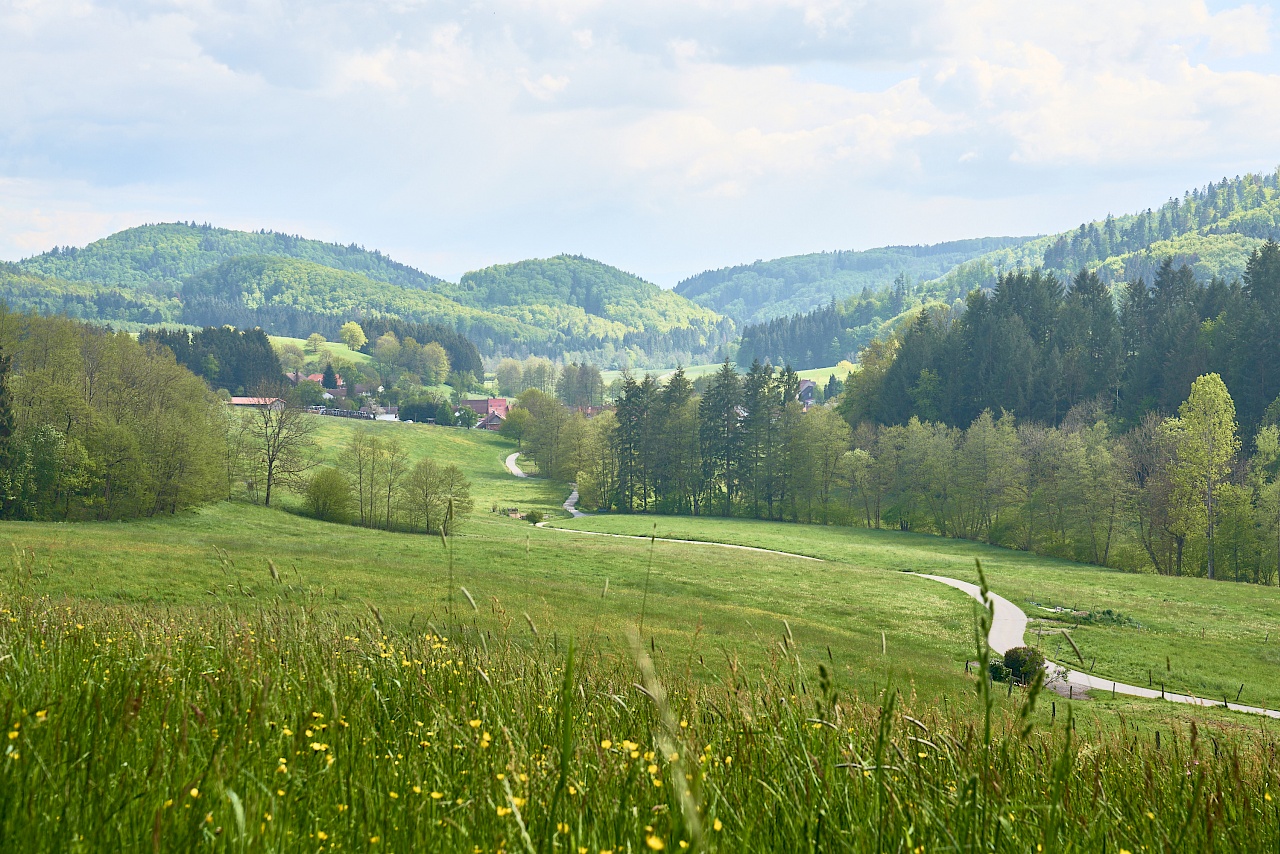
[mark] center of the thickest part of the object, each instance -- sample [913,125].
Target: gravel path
[571,504]
[1009,626]
[513,468]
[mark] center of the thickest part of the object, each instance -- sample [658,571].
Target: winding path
[1008,622]
[513,468]
[571,504]
[1009,626]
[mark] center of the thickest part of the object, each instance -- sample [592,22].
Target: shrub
[1023,662]
[533,517]
[999,673]
[329,496]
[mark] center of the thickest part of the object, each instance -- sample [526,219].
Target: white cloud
[670,135]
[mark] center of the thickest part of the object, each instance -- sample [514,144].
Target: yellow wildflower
[655,843]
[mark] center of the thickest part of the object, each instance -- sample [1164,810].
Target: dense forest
[766,290]
[94,425]
[1037,348]
[1174,495]
[831,334]
[1211,230]
[202,276]
[597,312]
[241,362]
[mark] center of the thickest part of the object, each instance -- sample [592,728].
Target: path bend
[1009,627]
[512,467]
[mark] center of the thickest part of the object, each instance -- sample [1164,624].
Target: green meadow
[703,605]
[249,679]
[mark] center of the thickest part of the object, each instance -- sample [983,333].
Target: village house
[492,421]
[482,406]
[273,403]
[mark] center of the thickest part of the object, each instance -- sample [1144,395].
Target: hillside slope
[201,275]
[754,293]
[1213,230]
[596,304]
[161,256]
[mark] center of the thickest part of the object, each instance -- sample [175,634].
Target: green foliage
[105,428]
[768,290]
[1041,350]
[328,496]
[162,256]
[200,275]
[352,335]
[1023,663]
[242,362]
[534,517]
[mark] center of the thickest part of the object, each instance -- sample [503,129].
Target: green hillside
[255,283]
[753,293]
[159,257]
[200,275]
[1213,229]
[592,302]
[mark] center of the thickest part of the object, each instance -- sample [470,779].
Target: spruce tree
[330,378]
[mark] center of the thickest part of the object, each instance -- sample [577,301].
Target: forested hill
[595,303]
[1212,231]
[186,273]
[161,256]
[753,293]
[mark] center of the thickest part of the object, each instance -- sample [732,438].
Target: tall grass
[287,727]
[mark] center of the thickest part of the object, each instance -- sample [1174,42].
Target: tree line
[237,360]
[1037,349]
[377,485]
[95,425]
[1175,495]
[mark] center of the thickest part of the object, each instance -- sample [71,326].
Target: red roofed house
[492,421]
[483,406]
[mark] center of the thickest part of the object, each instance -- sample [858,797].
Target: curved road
[513,468]
[1009,625]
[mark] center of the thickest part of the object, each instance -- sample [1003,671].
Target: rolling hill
[566,306]
[759,292]
[1212,229]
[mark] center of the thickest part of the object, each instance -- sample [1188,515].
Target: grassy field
[287,728]
[337,348]
[165,689]
[1196,636]
[702,604]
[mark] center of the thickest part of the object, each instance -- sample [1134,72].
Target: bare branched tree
[280,436]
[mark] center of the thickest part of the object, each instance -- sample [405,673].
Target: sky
[665,137]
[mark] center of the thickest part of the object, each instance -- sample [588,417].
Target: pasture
[246,678]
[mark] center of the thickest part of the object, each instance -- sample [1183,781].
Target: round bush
[999,673]
[329,496]
[1023,662]
[533,517]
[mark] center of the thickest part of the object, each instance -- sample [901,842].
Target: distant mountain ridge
[1211,229]
[764,290]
